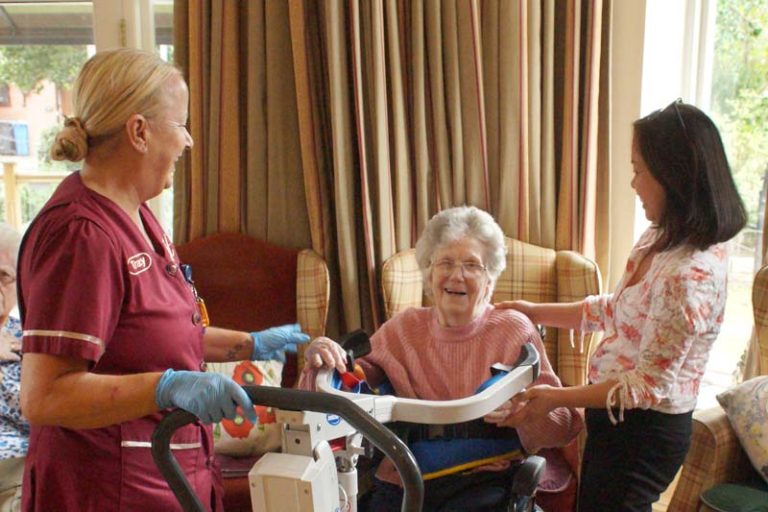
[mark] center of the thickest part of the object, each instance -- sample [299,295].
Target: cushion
[737,498]
[746,406]
[239,437]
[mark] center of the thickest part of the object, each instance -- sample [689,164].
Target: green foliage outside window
[740,93]
[29,65]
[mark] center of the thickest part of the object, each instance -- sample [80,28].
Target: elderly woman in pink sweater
[445,352]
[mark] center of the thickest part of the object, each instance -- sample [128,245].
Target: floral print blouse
[14,430]
[658,332]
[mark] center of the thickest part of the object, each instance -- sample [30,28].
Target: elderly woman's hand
[10,346]
[324,353]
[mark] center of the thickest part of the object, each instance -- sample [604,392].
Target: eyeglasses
[174,124]
[469,269]
[676,104]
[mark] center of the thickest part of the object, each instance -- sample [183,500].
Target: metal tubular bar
[294,400]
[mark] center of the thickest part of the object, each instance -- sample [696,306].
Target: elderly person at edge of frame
[445,351]
[14,429]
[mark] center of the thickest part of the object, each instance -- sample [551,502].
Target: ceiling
[64,22]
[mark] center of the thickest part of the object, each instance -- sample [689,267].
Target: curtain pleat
[344,167]
[420,182]
[370,116]
[439,61]
[246,173]
[567,205]
[310,164]
[602,226]
[490,33]
[227,90]
[474,172]
[257,139]
[588,132]
[532,104]
[511,74]
[344,125]
[547,192]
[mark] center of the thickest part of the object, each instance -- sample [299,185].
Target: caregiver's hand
[209,396]
[273,343]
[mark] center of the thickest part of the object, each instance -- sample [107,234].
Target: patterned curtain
[244,173]
[346,124]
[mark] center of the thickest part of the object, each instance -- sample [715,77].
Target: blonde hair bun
[71,142]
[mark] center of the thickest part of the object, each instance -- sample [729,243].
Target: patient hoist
[323,437]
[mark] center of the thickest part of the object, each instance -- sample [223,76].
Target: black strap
[475,429]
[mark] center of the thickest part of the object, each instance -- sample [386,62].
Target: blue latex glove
[209,396]
[274,342]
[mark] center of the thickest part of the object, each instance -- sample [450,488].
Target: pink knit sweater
[425,360]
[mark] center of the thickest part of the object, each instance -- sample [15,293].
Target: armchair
[249,285]
[532,273]
[716,455]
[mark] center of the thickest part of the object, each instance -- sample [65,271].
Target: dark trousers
[459,490]
[627,466]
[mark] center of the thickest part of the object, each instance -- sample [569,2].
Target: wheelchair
[323,437]
[512,491]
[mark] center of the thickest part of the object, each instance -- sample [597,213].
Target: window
[14,138]
[42,47]
[52,40]
[739,106]
[719,62]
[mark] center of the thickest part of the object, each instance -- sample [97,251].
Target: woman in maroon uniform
[113,334]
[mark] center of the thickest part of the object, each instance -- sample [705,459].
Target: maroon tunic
[90,287]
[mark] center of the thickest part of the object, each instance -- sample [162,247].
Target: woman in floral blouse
[14,430]
[660,323]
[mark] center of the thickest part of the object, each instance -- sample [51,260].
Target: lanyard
[186,270]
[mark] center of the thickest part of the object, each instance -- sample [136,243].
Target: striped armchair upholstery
[760,312]
[533,273]
[312,295]
[715,455]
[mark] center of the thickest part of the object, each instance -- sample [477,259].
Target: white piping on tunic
[65,334]
[146,444]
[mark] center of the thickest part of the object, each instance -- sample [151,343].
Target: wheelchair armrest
[527,476]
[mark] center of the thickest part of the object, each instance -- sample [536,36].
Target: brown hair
[684,152]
